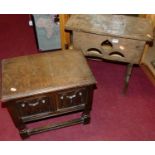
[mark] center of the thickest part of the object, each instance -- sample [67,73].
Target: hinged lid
[45,72]
[113,25]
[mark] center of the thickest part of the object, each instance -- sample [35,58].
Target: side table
[112,37]
[45,85]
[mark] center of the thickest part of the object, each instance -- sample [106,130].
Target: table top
[113,25]
[44,72]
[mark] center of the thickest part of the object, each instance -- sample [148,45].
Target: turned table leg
[86,113]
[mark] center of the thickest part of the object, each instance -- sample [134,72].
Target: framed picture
[47,30]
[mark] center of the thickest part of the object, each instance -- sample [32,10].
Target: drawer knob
[23,105]
[80,93]
[61,97]
[43,101]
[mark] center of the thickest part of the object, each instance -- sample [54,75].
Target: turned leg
[22,129]
[86,113]
[127,77]
[24,133]
[20,125]
[85,118]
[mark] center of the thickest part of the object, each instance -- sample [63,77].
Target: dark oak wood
[30,75]
[46,85]
[27,132]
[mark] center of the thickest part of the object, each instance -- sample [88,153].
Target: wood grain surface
[46,72]
[114,25]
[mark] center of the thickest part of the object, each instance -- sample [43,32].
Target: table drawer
[72,98]
[27,107]
[109,47]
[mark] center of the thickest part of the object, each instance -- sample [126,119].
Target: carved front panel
[72,98]
[109,47]
[33,106]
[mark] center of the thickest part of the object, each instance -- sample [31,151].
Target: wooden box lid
[113,25]
[42,73]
